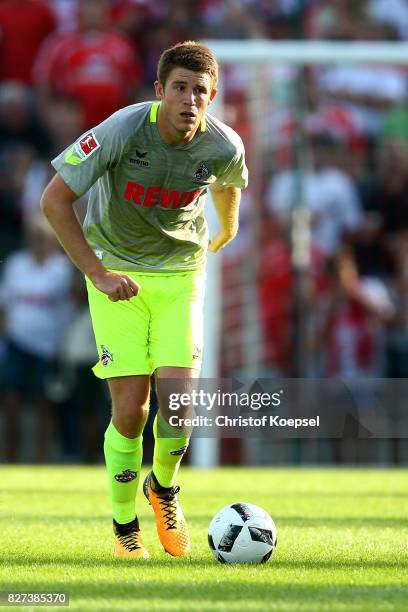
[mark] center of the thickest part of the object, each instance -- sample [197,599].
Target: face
[184,99]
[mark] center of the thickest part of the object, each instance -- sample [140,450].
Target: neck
[171,136]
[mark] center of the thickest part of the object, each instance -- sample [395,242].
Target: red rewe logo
[89,143]
[159,196]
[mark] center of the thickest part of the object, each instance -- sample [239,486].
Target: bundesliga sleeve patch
[89,144]
[82,149]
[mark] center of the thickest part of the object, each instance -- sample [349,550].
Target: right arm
[57,205]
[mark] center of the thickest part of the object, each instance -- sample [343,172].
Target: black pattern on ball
[229,537]
[261,535]
[242,510]
[266,557]
[211,542]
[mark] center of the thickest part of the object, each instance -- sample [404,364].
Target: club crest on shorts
[125,476]
[179,451]
[202,173]
[106,356]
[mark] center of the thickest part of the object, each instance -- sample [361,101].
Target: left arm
[226,202]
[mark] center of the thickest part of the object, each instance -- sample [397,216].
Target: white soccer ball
[242,533]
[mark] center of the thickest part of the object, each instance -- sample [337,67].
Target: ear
[159,89]
[212,95]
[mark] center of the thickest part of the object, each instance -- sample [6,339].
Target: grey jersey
[146,201]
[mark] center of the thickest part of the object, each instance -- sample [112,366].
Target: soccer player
[142,250]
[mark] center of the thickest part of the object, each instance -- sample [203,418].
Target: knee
[130,420]
[130,404]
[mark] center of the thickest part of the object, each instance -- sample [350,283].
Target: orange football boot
[170,522]
[128,540]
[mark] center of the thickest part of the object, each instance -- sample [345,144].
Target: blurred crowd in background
[65,65]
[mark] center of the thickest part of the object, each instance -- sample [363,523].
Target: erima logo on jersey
[82,149]
[138,162]
[141,161]
[159,196]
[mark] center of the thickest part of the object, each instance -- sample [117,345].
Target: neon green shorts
[161,326]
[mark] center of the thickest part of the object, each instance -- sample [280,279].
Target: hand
[219,241]
[117,286]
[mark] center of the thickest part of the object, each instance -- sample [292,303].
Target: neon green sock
[169,447]
[123,458]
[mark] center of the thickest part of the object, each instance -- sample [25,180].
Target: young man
[142,251]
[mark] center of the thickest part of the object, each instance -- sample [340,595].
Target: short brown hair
[190,55]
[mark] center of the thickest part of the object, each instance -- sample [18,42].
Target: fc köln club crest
[202,173]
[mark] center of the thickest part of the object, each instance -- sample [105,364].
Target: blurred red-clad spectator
[129,16]
[24,24]
[152,27]
[276,306]
[276,284]
[93,65]
[136,19]
[353,330]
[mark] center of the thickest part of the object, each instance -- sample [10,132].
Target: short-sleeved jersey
[146,204]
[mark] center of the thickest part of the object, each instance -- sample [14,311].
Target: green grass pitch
[342,541]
